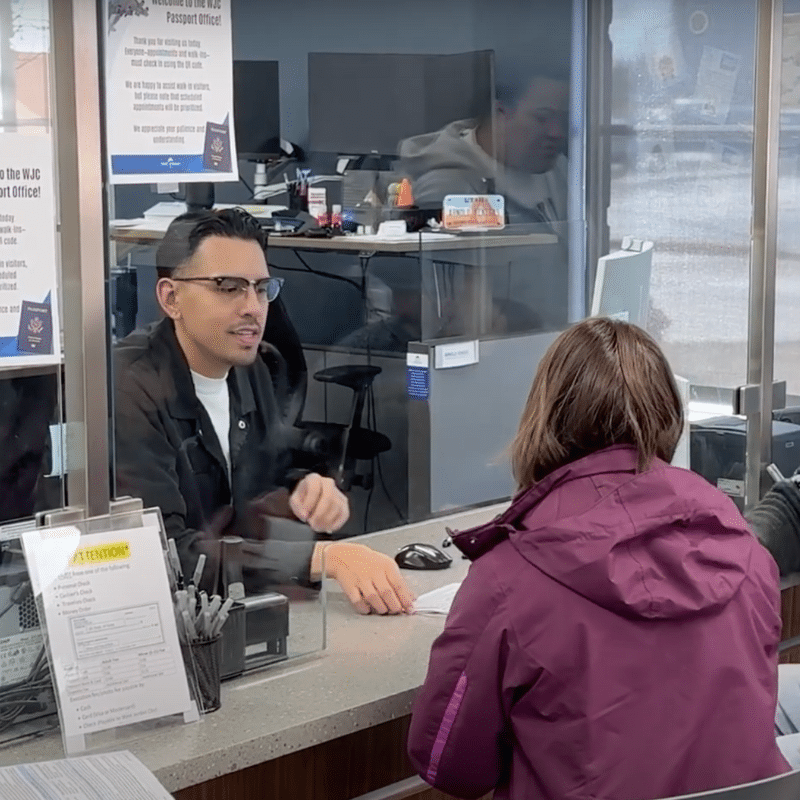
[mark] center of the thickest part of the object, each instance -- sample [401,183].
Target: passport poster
[169,91]
[29,308]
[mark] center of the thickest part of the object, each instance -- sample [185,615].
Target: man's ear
[167,298]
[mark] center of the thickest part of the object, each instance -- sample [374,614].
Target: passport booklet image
[217,148]
[35,328]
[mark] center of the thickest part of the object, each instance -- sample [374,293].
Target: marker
[189,631]
[213,606]
[172,550]
[219,621]
[198,570]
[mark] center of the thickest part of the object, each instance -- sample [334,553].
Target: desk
[279,730]
[475,252]
[144,235]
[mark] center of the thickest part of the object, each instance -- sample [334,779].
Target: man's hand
[371,580]
[317,502]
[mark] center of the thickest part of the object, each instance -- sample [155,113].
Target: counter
[367,676]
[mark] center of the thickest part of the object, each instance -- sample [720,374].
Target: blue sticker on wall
[418,382]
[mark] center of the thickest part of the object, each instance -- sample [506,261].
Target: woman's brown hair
[602,382]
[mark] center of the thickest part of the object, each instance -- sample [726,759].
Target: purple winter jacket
[616,637]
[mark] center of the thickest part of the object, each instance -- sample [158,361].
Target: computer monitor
[361,103]
[256,109]
[622,283]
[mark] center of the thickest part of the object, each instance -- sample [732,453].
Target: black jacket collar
[183,402]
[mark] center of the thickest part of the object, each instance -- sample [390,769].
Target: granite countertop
[368,675]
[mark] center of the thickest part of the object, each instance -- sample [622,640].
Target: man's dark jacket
[168,454]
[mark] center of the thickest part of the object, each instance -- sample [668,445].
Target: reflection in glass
[682,100]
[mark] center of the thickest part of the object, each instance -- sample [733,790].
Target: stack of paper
[112,776]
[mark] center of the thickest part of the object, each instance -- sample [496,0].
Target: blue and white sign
[30,330]
[169,91]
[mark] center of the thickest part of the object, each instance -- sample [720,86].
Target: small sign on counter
[112,640]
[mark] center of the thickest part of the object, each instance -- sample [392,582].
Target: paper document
[110,776]
[438,601]
[113,642]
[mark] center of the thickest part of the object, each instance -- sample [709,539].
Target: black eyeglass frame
[270,282]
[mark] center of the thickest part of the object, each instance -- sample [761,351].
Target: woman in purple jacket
[616,636]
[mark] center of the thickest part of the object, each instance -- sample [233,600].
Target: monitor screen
[256,109]
[361,103]
[622,283]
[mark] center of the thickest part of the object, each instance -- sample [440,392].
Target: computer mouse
[422,556]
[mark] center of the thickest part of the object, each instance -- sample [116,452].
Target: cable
[8,608]
[323,274]
[17,699]
[247,185]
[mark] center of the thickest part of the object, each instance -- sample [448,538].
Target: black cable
[25,696]
[322,274]
[246,185]
[8,608]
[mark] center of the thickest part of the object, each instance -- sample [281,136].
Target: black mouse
[422,556]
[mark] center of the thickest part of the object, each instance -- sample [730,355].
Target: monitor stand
[198,196]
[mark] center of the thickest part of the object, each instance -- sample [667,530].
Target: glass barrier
[373,130]
[32,434]
[787,330]
[681,169]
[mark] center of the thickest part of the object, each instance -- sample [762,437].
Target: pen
[213,606]
[191,600]
[203,624]
[203,602]
[189,631]
[216,626]
[219,620]
[181,600]
[176,563]
[198,570]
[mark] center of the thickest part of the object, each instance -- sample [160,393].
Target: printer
[718,445]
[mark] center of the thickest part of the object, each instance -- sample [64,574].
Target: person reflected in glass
[517,152]
[201,427]
[617,633]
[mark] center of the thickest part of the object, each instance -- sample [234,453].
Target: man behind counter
[201,425]
[519,149]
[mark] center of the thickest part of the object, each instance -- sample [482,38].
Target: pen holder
[206,656]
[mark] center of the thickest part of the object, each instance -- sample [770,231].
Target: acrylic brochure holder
[104,598]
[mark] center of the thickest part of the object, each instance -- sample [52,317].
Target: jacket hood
[661,544]
[448,148]
[453,151]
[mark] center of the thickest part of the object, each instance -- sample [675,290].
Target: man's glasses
[266,289]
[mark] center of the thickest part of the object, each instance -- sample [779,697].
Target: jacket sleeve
[146,467]
[458,740]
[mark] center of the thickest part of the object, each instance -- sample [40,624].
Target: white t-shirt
[213,394]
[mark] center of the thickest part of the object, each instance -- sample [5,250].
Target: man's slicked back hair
[187,232]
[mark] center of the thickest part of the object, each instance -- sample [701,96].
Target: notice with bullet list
[113,644]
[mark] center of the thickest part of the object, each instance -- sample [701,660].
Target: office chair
[331,447]
[345,444]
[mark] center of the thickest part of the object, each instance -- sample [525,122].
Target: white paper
[114,646]
[169,73]
[28,262]
[438,601]
[112,776]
